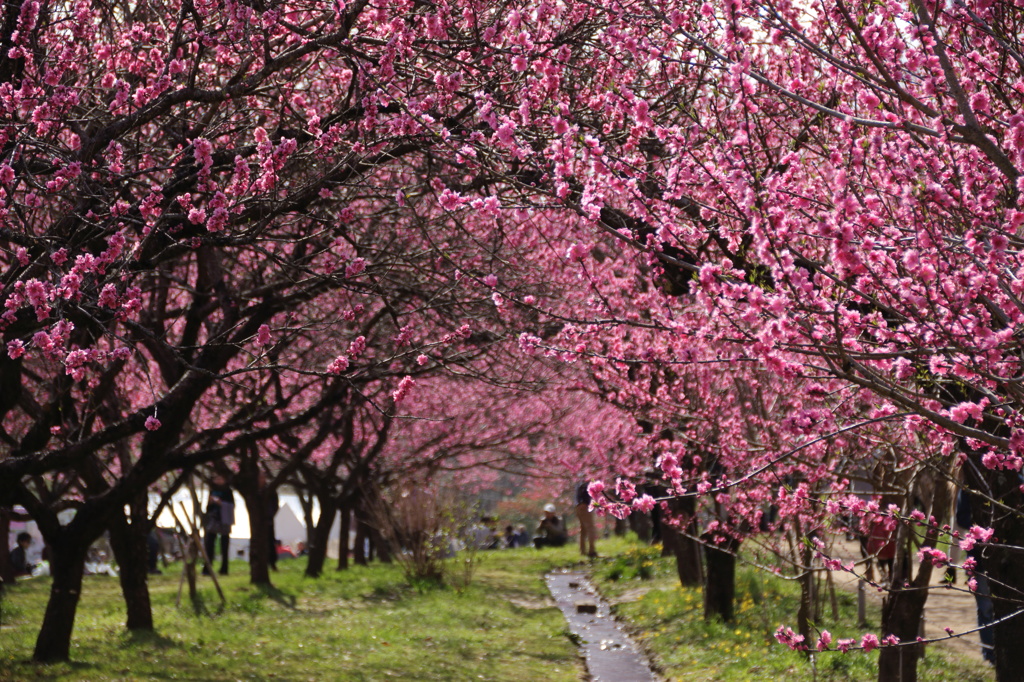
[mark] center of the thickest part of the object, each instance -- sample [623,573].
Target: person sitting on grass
[551,532]
[19,556]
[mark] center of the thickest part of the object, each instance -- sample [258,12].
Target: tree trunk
[128,542]
[260,530]
[306,502]
[685,548]
[669,536]
[67,563]
[343,539]
[1003,565]
[720,580]
[903,607]
[359,551]
[6,569]
[380,545]
[319,536]
[901,616]
[688,563]
[640,524]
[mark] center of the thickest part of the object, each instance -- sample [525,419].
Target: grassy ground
[669,623]
[362,624]
[368,624]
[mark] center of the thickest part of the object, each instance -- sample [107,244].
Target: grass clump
[668,620]
[637,562]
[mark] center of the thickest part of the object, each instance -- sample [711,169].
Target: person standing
[218,520]
[588,524]
[982,591]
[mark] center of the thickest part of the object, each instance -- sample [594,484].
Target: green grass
[368,624]
[362,624]
[669,622]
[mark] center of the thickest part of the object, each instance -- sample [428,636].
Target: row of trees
[783,238]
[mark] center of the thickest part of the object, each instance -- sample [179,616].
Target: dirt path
[951,607]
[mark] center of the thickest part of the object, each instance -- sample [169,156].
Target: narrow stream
[610,654]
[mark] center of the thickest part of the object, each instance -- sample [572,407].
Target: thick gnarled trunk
[6,569]
[901,616]
[128,540]
[261,527]
[1003,564]
[343,538]
[67,564]
[319,536]
[682,542]
[720,580]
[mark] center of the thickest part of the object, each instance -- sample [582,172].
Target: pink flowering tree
[180,215]
[837,186]
[834,189]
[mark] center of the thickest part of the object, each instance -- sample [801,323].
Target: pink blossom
[15,349]
[576,252]
[152,423]
[356,348]
[404,335]
[930,555]
[506,133]
[108,297]
[339,365]
[422,360]
[355,267]
[644,504]
[404,386]
[263,335]
[869,642]
[450,201]
[845,645]
[625,490]
[824,640]
[785,635]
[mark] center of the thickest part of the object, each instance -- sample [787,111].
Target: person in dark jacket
[982,591]
[218,520]
[19,555]
[588,525]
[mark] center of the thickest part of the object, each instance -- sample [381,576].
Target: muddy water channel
[610,654]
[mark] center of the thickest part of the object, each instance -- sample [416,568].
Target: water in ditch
[610,654]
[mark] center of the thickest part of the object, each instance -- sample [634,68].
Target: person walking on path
[588,525]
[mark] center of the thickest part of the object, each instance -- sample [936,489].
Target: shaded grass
[669,622]
[362,624]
